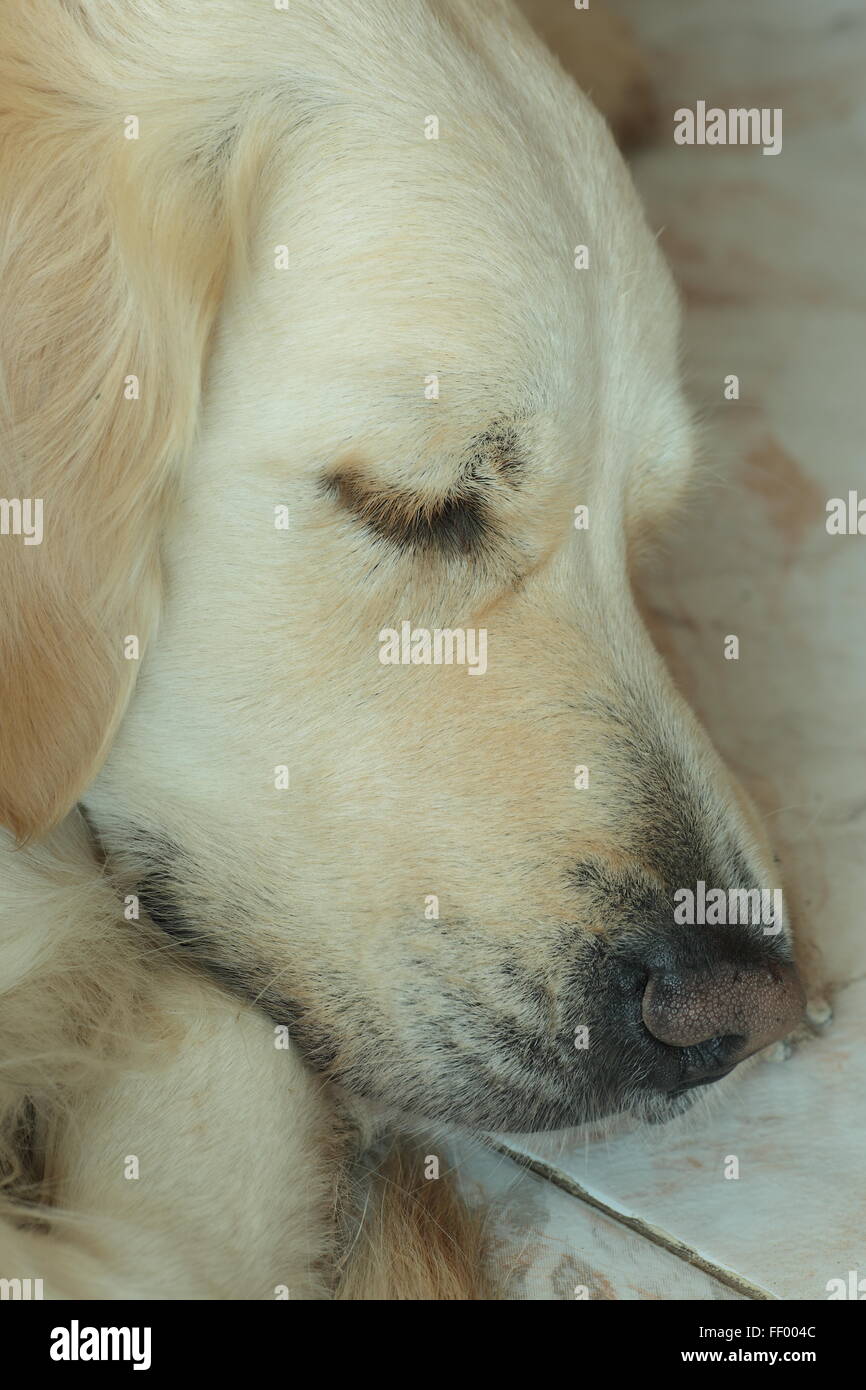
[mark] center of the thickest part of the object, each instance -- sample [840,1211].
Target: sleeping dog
[322,323]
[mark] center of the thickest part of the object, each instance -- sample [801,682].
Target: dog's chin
[644,1108]
[662,1109]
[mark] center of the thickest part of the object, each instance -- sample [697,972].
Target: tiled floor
[770,253]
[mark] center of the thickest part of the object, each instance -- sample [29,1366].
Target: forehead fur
[405,271]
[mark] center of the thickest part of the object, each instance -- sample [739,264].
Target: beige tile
[551,1246]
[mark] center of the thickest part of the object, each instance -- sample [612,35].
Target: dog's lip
[673,1107]
[701,1081]
[677,1102]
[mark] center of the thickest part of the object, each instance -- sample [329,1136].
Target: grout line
[643,1228]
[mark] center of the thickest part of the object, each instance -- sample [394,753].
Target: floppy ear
[113,249]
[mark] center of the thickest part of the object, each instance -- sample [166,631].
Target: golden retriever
[343,787]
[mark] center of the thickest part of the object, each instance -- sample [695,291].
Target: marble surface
[769,255]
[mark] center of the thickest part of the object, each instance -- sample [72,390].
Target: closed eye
[458,524]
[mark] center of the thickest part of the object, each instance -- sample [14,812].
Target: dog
[324,324]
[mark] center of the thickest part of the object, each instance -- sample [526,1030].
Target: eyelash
[459,526]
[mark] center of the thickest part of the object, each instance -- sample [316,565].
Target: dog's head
[400,761]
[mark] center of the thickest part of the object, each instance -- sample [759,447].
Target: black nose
[713,1001]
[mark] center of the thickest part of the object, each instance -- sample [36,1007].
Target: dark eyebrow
[458,524]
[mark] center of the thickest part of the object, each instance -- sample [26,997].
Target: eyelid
[458,524]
